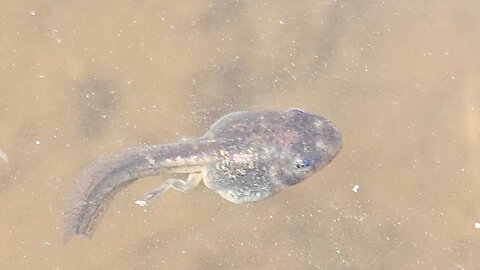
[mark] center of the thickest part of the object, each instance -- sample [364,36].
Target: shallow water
[400,79]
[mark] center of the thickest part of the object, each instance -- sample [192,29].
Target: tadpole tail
[98,182]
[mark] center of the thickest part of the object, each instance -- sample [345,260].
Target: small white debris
[32,13]
[477,225]
[3,156]
[141,203]
[356,188]
[37,142]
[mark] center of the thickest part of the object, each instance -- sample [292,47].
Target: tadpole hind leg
[180,185]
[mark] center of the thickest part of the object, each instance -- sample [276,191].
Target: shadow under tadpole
[96,101]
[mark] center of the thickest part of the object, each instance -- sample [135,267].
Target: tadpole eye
[301,163]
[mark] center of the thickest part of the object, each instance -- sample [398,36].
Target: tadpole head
[309,143]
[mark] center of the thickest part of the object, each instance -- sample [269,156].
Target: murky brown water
[401,79]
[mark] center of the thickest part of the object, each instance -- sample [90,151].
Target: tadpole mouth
[330,139]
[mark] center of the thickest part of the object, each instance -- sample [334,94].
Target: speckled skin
[244,157]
